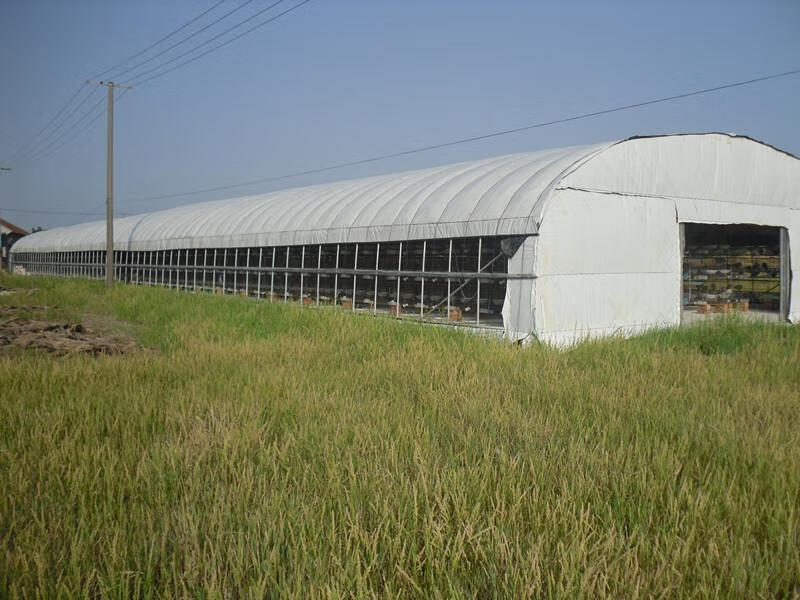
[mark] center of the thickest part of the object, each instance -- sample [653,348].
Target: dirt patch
[8,310]
[59,338]
[4,291]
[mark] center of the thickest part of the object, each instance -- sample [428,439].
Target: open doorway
[734,269]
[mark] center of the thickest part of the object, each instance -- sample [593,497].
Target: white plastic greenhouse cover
[712,178]
[493,196]
[606,254]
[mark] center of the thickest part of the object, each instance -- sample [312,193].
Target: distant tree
[35,229]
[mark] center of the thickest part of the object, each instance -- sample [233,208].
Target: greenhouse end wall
[606,264]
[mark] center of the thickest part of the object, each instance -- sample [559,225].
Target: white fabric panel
[518,306]
[712,166]
[794,257]
[606,263]
[727,213]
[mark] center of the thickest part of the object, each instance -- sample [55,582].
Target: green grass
[257,450]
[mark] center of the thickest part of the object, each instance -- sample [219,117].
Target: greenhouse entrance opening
[742,269]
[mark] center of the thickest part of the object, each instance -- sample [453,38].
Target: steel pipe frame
[478,293]
[377,265]
[355,279]
[247,275]
[224,269]
[336,278]
[62,262]
[371,272]
[272,279]
[286,277]
[319,264]
[397,309]
[260,262]
[422,283]
[302,266]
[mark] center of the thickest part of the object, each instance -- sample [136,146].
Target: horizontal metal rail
[306,270]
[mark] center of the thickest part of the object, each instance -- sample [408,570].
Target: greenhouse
[557,245]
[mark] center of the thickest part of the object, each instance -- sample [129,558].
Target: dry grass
[271,451]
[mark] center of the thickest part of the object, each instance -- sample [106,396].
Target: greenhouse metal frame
[465,277]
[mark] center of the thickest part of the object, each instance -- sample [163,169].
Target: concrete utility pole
[110,188]
[110,184]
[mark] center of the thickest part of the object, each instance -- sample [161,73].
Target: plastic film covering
[494,196]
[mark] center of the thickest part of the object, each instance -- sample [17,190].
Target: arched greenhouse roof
[485,197]
[494,196]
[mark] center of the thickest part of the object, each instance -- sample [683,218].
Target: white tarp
[598,275]
[494,196]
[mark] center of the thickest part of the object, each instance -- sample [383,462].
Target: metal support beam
[260,263]
[399,270]
[422,283]
[449,270]
[319,265]
[355,279]
[272,278]
[302,266]
[375,294]
[286,278]
[336,278]
[478,292]
[247,275]
[786,273]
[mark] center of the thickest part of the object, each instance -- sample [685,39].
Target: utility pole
[110,184]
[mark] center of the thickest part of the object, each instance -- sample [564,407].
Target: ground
[242,449]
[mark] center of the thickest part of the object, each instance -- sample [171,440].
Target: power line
[38,149]
[33,144]
[217,47]
[137,81]
[56,212]
[474,138]
[77,134]
[178,43]
[55,143]
[163,39]
[26,147]
[37,146]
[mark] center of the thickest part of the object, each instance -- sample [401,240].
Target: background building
[9,234]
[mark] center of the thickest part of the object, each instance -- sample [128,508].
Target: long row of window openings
[461,280]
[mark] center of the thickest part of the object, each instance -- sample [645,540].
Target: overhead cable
[35,142]
[55,142]
[137,80]
[46,140]
[55,212]
[472,138]
[156,43]
[52,150]
[29,145]
[119,74]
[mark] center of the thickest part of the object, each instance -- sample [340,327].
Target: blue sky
[340,80]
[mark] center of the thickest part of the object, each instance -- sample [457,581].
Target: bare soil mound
[11,309]
[59,338]
[4,291]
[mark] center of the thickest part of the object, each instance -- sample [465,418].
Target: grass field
[256,450]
